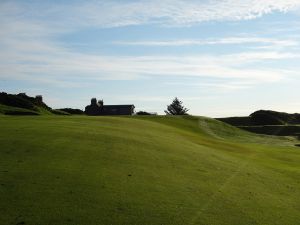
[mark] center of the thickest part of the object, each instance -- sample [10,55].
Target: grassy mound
[21,100]
[21,104]
[262,118]
[286,130]
[10,110]
[144,170]
[16,111]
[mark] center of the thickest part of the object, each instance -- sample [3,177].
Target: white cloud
[164,12]
[217,85]
[61,64]
[28,51]
[265,42]
[178,12]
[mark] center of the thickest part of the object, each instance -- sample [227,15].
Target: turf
[144,170]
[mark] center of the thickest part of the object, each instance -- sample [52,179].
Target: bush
[16,101]
[72,111]
[237,121]
[268,118]
[143,113]
[22,101]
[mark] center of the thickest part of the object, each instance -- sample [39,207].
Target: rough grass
[144,170]
[38,110]
[10,110]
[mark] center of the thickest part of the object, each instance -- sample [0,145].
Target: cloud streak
[28,51]
[162,12]
[57,63]
[267,43]
[177,12]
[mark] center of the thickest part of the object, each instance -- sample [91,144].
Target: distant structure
[39,98]
[99,109]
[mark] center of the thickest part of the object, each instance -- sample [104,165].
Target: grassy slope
[5,109]
[284,130]
[144,170]
[291,128]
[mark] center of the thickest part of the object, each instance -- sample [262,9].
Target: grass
[10,110]
[144,170]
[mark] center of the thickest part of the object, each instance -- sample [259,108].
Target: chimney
[101,103]
[93,101]
[39,98]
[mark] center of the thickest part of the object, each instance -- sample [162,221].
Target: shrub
[72,111]
[143,113]
[268,118]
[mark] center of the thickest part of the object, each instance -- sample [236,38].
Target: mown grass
[144,170]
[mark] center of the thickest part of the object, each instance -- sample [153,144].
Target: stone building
[99,109]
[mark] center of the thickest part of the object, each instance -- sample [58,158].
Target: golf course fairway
[144,170]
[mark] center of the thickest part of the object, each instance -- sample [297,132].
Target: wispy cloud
[216,85]
[163,12]
[266,42]
[61,64]
[177,12]
[29,53]
[29,50]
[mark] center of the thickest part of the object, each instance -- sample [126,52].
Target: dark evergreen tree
[176,108]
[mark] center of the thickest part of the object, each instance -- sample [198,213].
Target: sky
[219,57]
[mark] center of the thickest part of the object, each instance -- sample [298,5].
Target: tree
[176,108]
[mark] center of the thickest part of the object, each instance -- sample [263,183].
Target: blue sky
[221,58]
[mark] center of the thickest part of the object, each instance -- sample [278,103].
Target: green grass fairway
[78,170]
